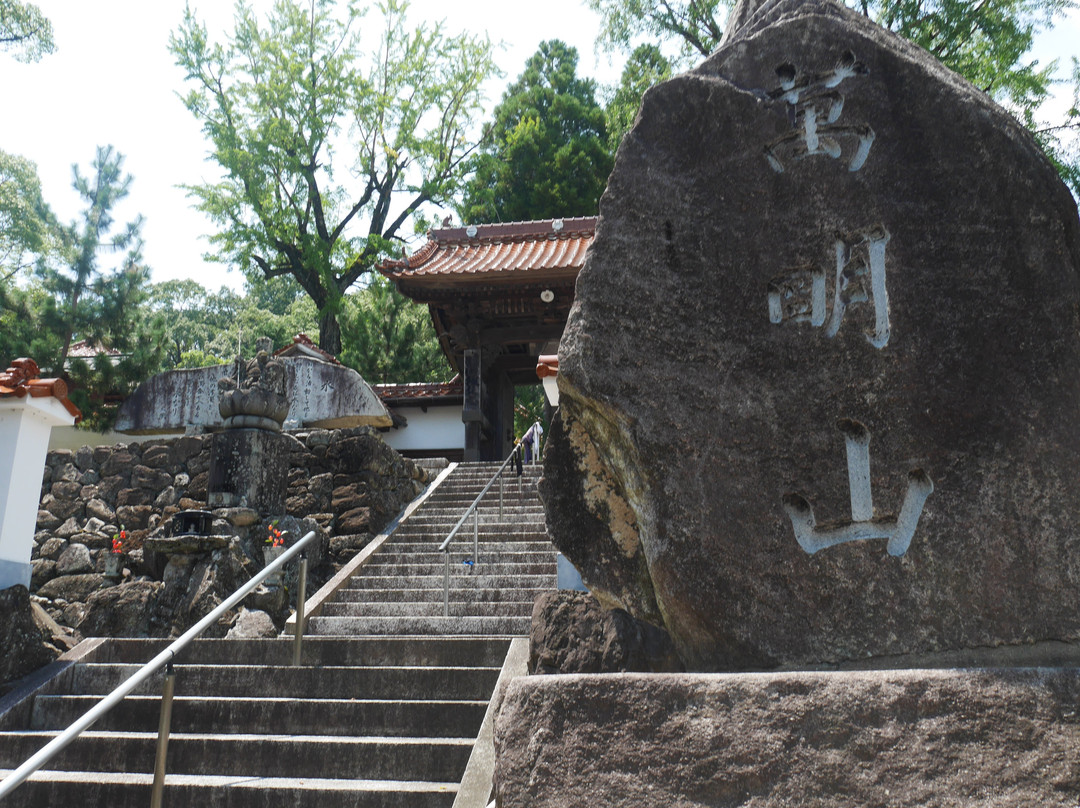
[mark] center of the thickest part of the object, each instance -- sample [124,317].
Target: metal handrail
[47,752]
[474,511]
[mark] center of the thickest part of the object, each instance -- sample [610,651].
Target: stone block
[47,521]
[119,464]
[66,489]
[248,469]
[572,633]
[52,548]
[74,560]
[150,479]
[72,587]
[133,496]
[134,517]
[100,509]
[159,456]
[109,487]
[357,520]
[818,386]
[42,570]
[197,488]
[902,739]
[84,458]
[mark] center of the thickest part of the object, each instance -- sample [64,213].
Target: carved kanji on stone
[815,106]
[897,532]
[801,295]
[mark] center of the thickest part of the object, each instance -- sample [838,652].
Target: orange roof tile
[21,379]
[84,349]
[415,391]
[507,249]
[303,344]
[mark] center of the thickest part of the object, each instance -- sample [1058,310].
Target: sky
[112,81]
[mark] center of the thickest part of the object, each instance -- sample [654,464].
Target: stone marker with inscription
[819,402]
[820,387]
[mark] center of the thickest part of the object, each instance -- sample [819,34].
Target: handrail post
[301,596]
[500,495]
[446,584]
[476,537]
[164,722]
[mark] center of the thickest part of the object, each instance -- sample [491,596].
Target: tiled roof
[303,345]
[21,379]
[84,349]
[419,391]
[517,247]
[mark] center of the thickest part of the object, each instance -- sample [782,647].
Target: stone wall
[346,482]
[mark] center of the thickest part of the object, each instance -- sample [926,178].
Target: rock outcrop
[572,633]
[819,385]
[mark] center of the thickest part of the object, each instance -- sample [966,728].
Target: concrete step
[354,626]
[492,565]
[519,608]
[504,554]
[458,549]
[205,714]
[346,682]
[436,595]
[259,755]
[112,790]
[323,652]
[478,580]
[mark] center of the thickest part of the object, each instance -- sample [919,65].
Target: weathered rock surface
[74,560]
[24,642]
[250,624]
[572,633]
[127,610]
[822,227]
[797,740]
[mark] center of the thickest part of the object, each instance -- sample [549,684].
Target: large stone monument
[820,387]
[819,403]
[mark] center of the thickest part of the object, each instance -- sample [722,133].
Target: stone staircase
[363,722]
[385,709]
[400,590]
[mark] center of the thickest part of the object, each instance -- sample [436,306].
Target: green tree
[546,153]
[194,317]
[645,67]
[107,308]
[988,42]
[390,338]
[25,31]
[275,102]
[27,226]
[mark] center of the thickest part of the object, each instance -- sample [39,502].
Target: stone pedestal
[1002,737]
[249,468]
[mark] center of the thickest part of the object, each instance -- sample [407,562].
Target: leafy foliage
[546,153]
[25,31]
[988,42]
[389,338]
[275,100]
[27,226]
[106,308]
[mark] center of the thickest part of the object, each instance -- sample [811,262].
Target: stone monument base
[987,736]
[249,468]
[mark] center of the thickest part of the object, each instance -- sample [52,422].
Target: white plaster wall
[438,428]
[70,437]
[24,439]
